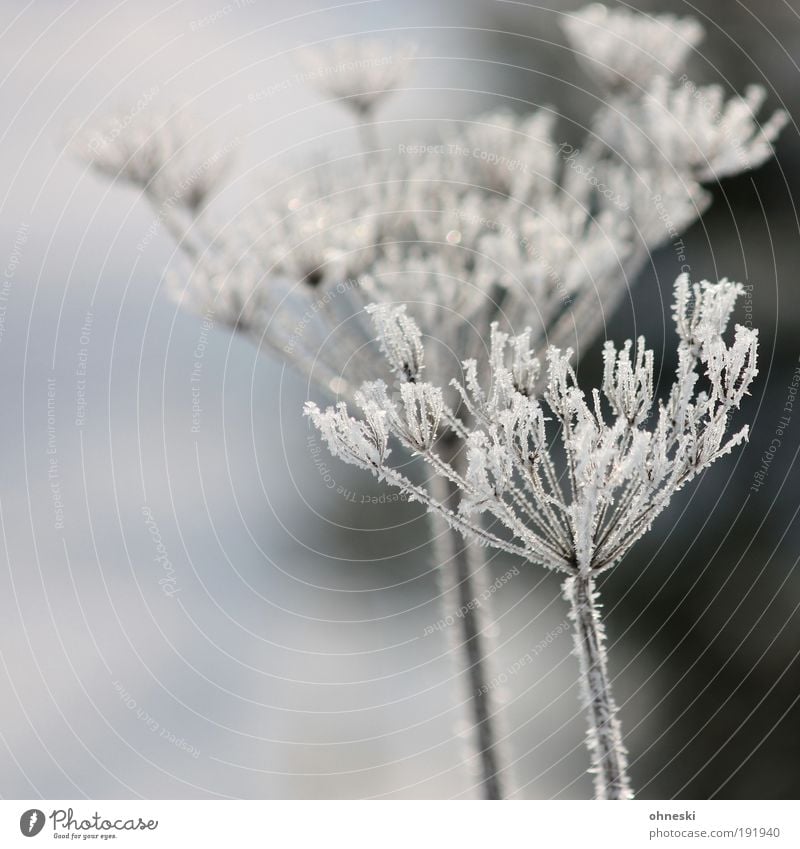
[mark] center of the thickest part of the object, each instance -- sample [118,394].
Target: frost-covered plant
[623,49]
[498,218]
[697,132]
[495,221]
[166,155]
[361,72]
[570,480]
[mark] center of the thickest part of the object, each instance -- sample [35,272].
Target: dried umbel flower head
[360,72]
[696,131]
[316,230]
[573,478]
[624,454]
[400,341]
[167,155]
[626,49]
[519,226]
[507,228]
[656,120]
[500,220]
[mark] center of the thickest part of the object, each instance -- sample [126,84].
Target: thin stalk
[462,583]
[604,736]
[368,136]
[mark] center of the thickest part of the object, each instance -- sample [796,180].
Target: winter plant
[564,479]
[492,219]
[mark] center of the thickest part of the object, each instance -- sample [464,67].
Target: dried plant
[492,221]
[569,481]
[166,155]
[624,50]
[360,72]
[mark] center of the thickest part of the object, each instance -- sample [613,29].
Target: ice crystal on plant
[400,340]
[623,455]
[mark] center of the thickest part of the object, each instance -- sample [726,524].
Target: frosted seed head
[423,405]
[626,49]
[400,340]
[168,155]
[359,442]
[361,72]
[695,131]
[620,472]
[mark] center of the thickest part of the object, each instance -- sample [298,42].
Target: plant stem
[604,737]
[368,136]
[462,580]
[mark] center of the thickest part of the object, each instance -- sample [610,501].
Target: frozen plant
[502,223]
[165,155]
[635,58]
[498,220]
[623,49]
[571,480]
[697,132]
[361,72]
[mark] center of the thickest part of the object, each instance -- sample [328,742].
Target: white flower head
[323,232]
[361,72]
[623,455]
[514,229]
[422,406]
[400,340]
[698,132]
[625,49]
[362,442]
[168,155]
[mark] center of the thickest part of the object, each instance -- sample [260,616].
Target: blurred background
[199,614]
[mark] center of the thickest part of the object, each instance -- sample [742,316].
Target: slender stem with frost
[604,737]
[462,579]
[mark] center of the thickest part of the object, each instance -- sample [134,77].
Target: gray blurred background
[277,648]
